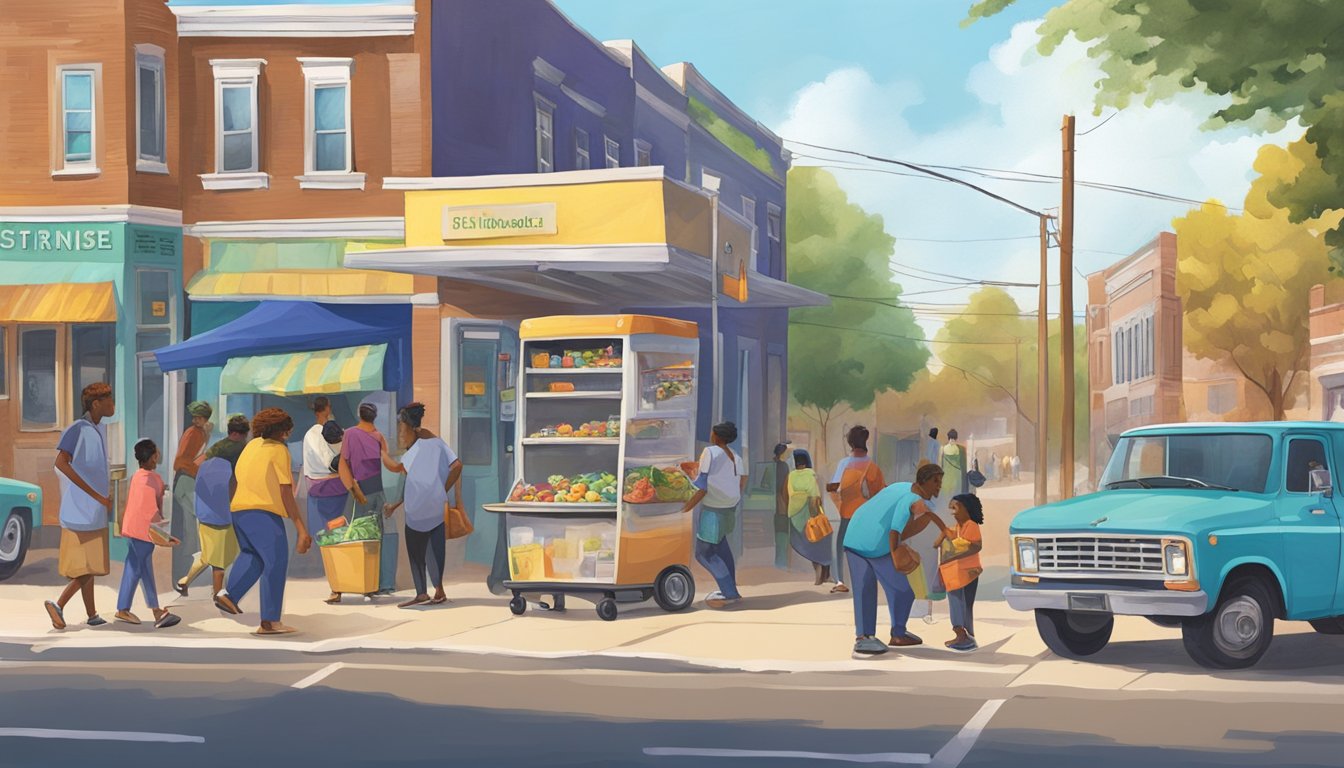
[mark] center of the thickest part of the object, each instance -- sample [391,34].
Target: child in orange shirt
[960,569]
[144,508]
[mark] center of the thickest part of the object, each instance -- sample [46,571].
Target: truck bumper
[1122,602]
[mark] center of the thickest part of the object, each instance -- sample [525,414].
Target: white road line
[951,755]
[52,733]
[900,758]
[320,675]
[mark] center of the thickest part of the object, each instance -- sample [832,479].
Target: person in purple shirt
[363,455]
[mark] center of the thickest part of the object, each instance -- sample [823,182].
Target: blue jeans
[264,557]
[866,573]
[139,570]
[718,560]
[961,604]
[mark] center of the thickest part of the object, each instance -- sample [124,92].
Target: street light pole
[711,183]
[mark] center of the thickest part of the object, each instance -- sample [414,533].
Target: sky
[903,79]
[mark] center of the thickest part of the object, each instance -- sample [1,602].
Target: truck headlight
[1026,555]
[32,496]
[1177,560]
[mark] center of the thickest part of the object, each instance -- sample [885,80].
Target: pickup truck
[20,511]
[1216,529]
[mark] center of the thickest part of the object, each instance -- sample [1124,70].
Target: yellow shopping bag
[917,583]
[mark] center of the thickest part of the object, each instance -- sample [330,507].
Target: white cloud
[1023,97]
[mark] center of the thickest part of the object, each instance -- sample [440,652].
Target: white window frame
[611,152]
[319,72]
[582,160]
[749,213]
[233,73]
[544,123]
[62,166]
[643,153]
[151,57]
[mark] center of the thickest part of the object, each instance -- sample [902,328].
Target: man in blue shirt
[874,533]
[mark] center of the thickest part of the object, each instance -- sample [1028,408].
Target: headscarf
[200,408]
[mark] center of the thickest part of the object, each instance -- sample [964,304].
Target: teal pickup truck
[1218,529]
[20,511]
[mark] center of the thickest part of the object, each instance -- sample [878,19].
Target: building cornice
[296,20]
[131,214]
[372,227]
[560,178]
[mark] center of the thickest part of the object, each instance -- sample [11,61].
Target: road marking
[901,758]
[320,675]
[53,733]
[951,755]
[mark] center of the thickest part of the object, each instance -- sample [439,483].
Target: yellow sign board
[158,308]
[474,222]
[473,388]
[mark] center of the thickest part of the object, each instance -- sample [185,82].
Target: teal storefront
[83,302]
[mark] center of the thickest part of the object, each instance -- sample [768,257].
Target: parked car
[1217,529]
[20,512]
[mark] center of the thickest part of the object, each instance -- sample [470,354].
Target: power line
[1098,125]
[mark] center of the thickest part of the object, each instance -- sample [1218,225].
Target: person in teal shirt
[874,532]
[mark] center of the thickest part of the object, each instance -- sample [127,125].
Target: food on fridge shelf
[564,430]
[607,357]
[670,389]
[567,362]
[561,386]
[590,488]
[541,360]
[555,361]
[640,491]
[587,429]
[646,485]
[647,429]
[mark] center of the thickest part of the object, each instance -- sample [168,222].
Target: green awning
[349,369]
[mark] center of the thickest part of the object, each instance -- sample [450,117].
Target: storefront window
[37,369]
[152,417]
[92,352]
[156,296]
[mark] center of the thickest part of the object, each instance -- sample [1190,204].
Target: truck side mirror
[1320,482]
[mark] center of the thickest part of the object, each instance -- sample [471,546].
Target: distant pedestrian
[1017,467]
[782,470]
[189,448]
[432,469]
[857,479]
[993,466]
[263,500]
[364,454]
[932,448]
[81,460]
[144,509]
[960,569]
[804,498]
[1006,468]
[214,493]
[721,479]
[954,465]
[876,530]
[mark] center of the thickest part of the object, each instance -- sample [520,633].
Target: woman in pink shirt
[144,507]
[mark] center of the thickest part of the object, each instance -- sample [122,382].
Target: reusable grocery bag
[456,524]
[817,528]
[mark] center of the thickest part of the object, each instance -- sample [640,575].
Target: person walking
[263,501]
[144,508]
[878,527]
[721,479]
[431,469]
[993,466]
[961,568]
[782,525]
[857,479]
[804,496]
[183,523]
[364,454]
[214,491]
[932,449]
[954,464]
[81,460]
[327,478]
[1017,467]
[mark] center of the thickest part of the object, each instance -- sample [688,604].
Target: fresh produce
[589,488]
[646,485]
[607,357]
[360,529]
[589,429]
[670,389]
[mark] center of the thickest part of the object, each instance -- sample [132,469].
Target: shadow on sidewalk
[1288,653]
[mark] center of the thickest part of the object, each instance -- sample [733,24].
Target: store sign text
[475,222]
[73,239]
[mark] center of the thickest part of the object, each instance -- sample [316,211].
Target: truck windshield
[1216,461]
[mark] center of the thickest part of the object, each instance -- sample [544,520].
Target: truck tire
[1332,625]
[1237,632]
[15,536]
[1074,634]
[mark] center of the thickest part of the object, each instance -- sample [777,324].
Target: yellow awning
[58,303]
[314,283]
[350,369]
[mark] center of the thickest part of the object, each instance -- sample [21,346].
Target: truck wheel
[1074,634]
[675,589]
[1333,625]
[1237,632]
[14,539]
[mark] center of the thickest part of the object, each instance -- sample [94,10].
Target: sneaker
[870,646]
[96,621]
[715,599]
[167,620]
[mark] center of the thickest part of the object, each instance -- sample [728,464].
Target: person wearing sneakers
[81,460]
[431,469]
[719,483]
[961,569]
[264,499]
[857,479]
[144,508]
[214,490]
[875,531]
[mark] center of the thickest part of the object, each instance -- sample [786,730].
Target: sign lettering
[478,222]
[39,238]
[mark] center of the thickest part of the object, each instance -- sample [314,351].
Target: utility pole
[711,183]
[1066,313]
[1017,384]
[1042,367]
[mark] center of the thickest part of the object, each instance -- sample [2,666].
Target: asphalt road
[405,709]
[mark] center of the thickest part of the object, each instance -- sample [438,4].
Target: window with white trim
[774,249]
[545,125]
[613,152]
[151,150]
[236,116]
[581,160]
[749,213]
[328,147]
[643,153]
[77,86]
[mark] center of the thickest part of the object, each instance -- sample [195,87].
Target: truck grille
[1099,555]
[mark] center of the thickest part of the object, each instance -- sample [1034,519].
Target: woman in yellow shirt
[263,499]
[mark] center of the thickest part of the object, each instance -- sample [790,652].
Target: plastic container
[521,536]
[527,562]
[352,566]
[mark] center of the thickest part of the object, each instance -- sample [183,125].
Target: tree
[842,355]
[1271,60]
[1244,280]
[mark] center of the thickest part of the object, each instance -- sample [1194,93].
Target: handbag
[817,528]
[905,558]
[975,477]
[456,524]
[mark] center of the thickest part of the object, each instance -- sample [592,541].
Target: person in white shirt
[432,469]
[721,481]
[327,493]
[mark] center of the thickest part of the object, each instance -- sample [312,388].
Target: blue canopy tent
[289,327]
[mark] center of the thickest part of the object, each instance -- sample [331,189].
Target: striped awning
[309,283]
[349,369]
[58,303]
